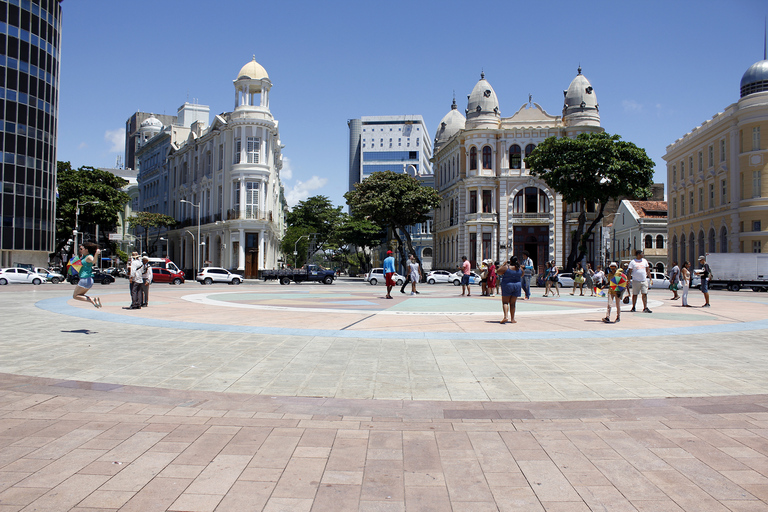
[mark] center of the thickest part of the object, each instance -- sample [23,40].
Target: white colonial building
[227,175]
[491,206]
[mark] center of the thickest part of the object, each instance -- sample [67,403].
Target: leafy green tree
[394,200]
[147,220]
[359,232]
[592,168]
[87,184]
[315,219]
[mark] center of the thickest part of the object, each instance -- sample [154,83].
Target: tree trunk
[576,239]
[590,231]
[411,250]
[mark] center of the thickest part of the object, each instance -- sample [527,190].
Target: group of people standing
[681,278]
[140,278]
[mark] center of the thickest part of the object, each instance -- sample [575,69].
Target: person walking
[527,274]
[492,277]
[466,268]
[389,272]
[613,294]
[511,287]
[674,280]
[135,279]
[414,273]
[484,278]
[408,279]
[88,252]
[578,279]
[598,280]
[589,279]
[685,277]
[146,280]
[640,273]
[554,278]
[706,275]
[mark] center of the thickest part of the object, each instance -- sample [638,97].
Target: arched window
[711,240]
[473,158]
[701,242]
[674,249]
[723,239]
[529,149]
[648,242]
[427,252]
[531,200]
[682,250]
[660,241]
[487,158]
[515,157]
[692,250]
[451,218]
[660,267]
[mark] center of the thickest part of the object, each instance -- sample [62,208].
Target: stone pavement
[251,398]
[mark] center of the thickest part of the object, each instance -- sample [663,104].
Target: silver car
[20,275]
[439,276]
[377,274]
[210,275]
[50,275]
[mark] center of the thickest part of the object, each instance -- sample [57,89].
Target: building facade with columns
[718,197]
[225,178]
[492,207]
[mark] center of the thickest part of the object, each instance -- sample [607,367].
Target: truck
[735,271]
[305,273]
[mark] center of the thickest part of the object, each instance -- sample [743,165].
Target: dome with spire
[253,70]
[151,122]
[755,79]
[483,106]
[581,107]
[450,125]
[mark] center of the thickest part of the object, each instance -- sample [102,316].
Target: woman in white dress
[686,282]
[414,274]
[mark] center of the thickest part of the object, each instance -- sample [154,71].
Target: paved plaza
[331,398]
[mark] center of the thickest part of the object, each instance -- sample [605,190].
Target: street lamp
[77,216]
[197,247]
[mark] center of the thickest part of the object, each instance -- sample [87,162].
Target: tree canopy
[315,219]
[87,184]
[147,220]
[592,168]
[360,233]
[393,200]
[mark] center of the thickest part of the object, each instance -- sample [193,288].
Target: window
[515,157]
[529,149]
[682,205]
[723,239]
[701,161]
[701,199]
[682,169]
[690,166]
[472,201]
[487,158]
[756,225]
[238,147]
[648,240]
[723,193]
[473,249]
[757,246]
[251,200]
[756,184]
[711,195]
[531,200]
[711,156]
[487,201]
[486,245]
[473,159]
[722,150]
[236,196]
[756,138]
[690,196]
[660,242]
[252,151]
[682,249]
[674,207]
[221,156]
[674,174]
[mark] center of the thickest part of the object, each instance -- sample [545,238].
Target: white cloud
[302,189]
[82,145]
[116,139]
[631,106]
[286,173]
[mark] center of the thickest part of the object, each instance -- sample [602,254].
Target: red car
[166,275]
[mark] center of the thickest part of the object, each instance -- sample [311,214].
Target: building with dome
[717,194]
[225,178]
[491,205]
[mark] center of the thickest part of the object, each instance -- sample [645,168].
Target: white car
[474,278]
[377,274]
[438,276]
[50,275]
[565,280]
[20,275]
[210,275]
[659,280]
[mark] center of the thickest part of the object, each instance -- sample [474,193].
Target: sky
[658,69]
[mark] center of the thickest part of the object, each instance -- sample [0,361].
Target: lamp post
[197,247]
[77,217]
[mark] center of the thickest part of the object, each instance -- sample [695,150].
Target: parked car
[50,275]
[20,275]
[210,275]
[377,274]
[164,275]
[474,278]
[99,276]
[439,276]
[306,273]
[659,280]
[565,280]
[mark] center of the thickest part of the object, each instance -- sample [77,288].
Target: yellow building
[716,176]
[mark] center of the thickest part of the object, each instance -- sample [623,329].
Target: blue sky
[658,68]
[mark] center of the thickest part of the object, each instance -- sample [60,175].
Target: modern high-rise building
[30,36]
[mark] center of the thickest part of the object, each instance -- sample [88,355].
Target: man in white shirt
[135,279]
[640,273]
[146,279]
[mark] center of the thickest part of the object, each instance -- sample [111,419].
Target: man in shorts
[640,274]
[706,275]
[389,272]
[465,269]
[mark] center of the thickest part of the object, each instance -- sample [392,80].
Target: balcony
[480,217]
[238,215]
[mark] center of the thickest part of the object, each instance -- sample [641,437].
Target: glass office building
[30,35]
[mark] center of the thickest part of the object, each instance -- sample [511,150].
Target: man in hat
[389,272]
[146,280]
[706,274]
[640,274]
[613,293]
[134,278]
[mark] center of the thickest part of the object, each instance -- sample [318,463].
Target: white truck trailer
[735,271]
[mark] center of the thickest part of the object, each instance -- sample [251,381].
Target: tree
[148,220]
[87,184]
[592,168]
[360,232]
[394,200]
[315,219]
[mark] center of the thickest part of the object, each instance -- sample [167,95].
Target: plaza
[314,397]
